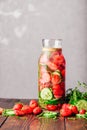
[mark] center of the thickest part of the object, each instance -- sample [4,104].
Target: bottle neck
[52,43]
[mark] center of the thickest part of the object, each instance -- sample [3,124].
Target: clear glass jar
[51,73]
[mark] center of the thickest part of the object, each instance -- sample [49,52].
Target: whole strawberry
[66,110]
[74,109]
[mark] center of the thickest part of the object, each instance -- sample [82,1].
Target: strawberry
[44,85]
[63,73]
[1,110]
[37,110]
[33,103]
[18,106]
[43,70]
[74,109]
[59,59]
[66,106]
[57,91]
[68,109]
[59,106]
[51,107]
[46,77]
[26,109]
[55,53]
[65,112]
[43,59]
[19,113]
[56,79]
[82,111]
[52,66]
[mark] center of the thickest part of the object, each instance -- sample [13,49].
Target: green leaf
[84,116]
[74,95]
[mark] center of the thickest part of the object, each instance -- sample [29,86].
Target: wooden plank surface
[31,122]
[47,124]
[77,124]
[5,103]
[8,103]
[2,120]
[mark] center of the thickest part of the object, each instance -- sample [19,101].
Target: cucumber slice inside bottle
[58,72]
[46,94]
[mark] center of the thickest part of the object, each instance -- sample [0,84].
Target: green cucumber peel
[8,112]
[57,72]
[49,114]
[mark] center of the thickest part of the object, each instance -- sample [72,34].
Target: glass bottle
[51,73]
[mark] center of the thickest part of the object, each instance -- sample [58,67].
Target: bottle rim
[52,43]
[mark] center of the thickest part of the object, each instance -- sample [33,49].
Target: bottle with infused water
[51,73]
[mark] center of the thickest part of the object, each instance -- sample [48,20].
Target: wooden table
[31,122]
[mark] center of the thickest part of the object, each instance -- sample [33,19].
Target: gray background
[23,25]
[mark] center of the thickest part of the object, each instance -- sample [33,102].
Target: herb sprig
[73,95]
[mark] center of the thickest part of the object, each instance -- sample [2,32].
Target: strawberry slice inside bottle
[43,59]
[56,79]
[52,66]
[58,91]
[46,77]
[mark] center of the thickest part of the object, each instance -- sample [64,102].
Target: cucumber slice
[46,94]
[48,114]
[57,72]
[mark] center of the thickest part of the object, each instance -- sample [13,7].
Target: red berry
[59,107]
[43,59]
[65,112]
[58,90]
[1,110]
[37,110]
[19,112]
[52,66]
[56,79]
[18,106]
[51,107]
[46,77]
[33,103]
[65,106]
[74,109]
[63,73]
[58,59]
[27,109]
[42,70]
[82,111]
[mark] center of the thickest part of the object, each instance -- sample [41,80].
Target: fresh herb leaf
[74,95]
[84,116]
